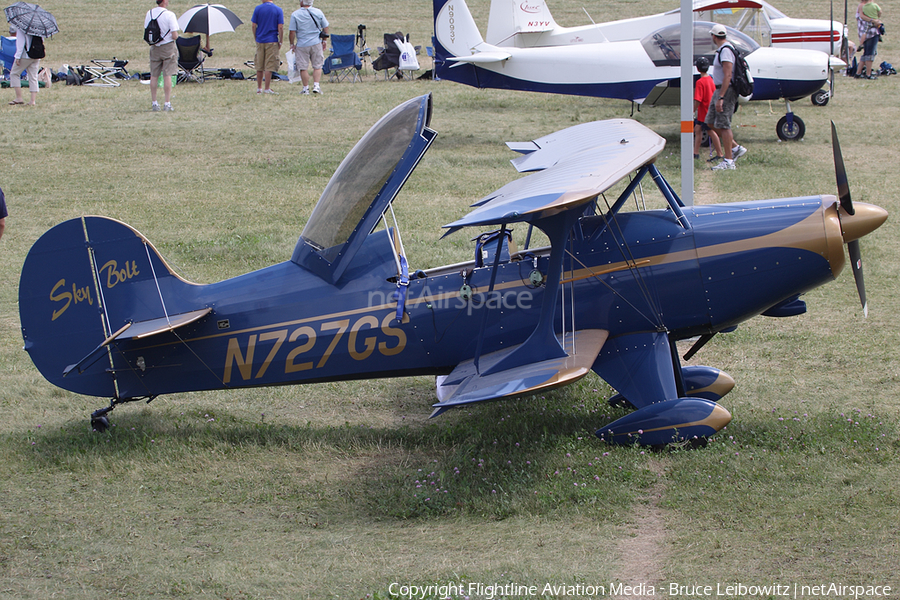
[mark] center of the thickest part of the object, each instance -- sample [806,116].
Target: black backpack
[740,75]
[152,33]
[37,47]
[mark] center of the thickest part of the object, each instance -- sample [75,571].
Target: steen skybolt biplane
[636,59]
[103,315]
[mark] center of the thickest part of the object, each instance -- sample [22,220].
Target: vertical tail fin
[83,281]
[511,17]
[455,30]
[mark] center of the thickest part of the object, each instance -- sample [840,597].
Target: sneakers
[305,91]
[738,151]
[316,89]
[168,107]
[269,92]
[725,165]
[155,107]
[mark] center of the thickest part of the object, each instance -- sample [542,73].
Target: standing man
[725,98]
[309,30]
[267,23]
[163,54]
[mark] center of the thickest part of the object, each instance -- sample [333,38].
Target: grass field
[340,490]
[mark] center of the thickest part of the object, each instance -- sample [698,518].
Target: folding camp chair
[104,73]
[343,63]
[7,53]
[190,59]
[389,56]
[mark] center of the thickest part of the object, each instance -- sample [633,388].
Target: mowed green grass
[340,489]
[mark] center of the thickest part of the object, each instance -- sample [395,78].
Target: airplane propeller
[853,225]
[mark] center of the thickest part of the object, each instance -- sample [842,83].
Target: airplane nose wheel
[790,132]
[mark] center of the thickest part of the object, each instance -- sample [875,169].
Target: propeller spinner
[856,221]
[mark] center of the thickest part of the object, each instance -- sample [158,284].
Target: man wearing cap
[724,100]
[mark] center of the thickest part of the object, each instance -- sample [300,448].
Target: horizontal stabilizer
[490,56]
[465,385]
[142,329]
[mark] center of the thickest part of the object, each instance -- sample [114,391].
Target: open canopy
[363,187]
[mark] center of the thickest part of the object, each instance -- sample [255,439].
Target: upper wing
[574,166]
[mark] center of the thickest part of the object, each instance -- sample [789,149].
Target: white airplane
[639,70]
[529,24]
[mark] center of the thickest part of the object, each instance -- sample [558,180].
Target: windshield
[664,46]
[358,180]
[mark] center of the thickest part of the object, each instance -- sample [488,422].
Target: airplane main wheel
[820,98]
[790,133]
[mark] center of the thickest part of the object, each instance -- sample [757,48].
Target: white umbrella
[208,19]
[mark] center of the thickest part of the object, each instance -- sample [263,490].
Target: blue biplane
[103,314]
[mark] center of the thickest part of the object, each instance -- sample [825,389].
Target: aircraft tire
[820,98]
[99,424]
[790,134]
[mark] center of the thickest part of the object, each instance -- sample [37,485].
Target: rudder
[82,281]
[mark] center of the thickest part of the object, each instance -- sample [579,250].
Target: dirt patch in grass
[642,548]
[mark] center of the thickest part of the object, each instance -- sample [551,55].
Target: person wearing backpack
[161,31]
[29,52]
[725,99]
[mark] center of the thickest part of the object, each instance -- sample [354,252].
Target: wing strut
[543,344]
[490,291]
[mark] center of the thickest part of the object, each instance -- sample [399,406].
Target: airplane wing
[468,384]
[574,166]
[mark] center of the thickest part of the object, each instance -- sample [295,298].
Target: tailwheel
[99,420]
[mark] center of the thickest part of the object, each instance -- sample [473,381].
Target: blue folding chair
[7,53]
[343,63]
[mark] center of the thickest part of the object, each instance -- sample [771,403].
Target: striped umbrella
[208,19]
[32,19]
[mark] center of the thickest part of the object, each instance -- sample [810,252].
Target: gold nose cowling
[866,219]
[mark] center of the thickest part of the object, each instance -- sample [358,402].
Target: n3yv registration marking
[389,341]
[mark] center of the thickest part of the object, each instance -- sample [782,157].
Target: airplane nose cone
[867,218]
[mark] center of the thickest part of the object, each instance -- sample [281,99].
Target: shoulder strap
[156,18]
[313,17]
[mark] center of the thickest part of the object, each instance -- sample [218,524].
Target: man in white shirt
[725,98]
[164,54]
